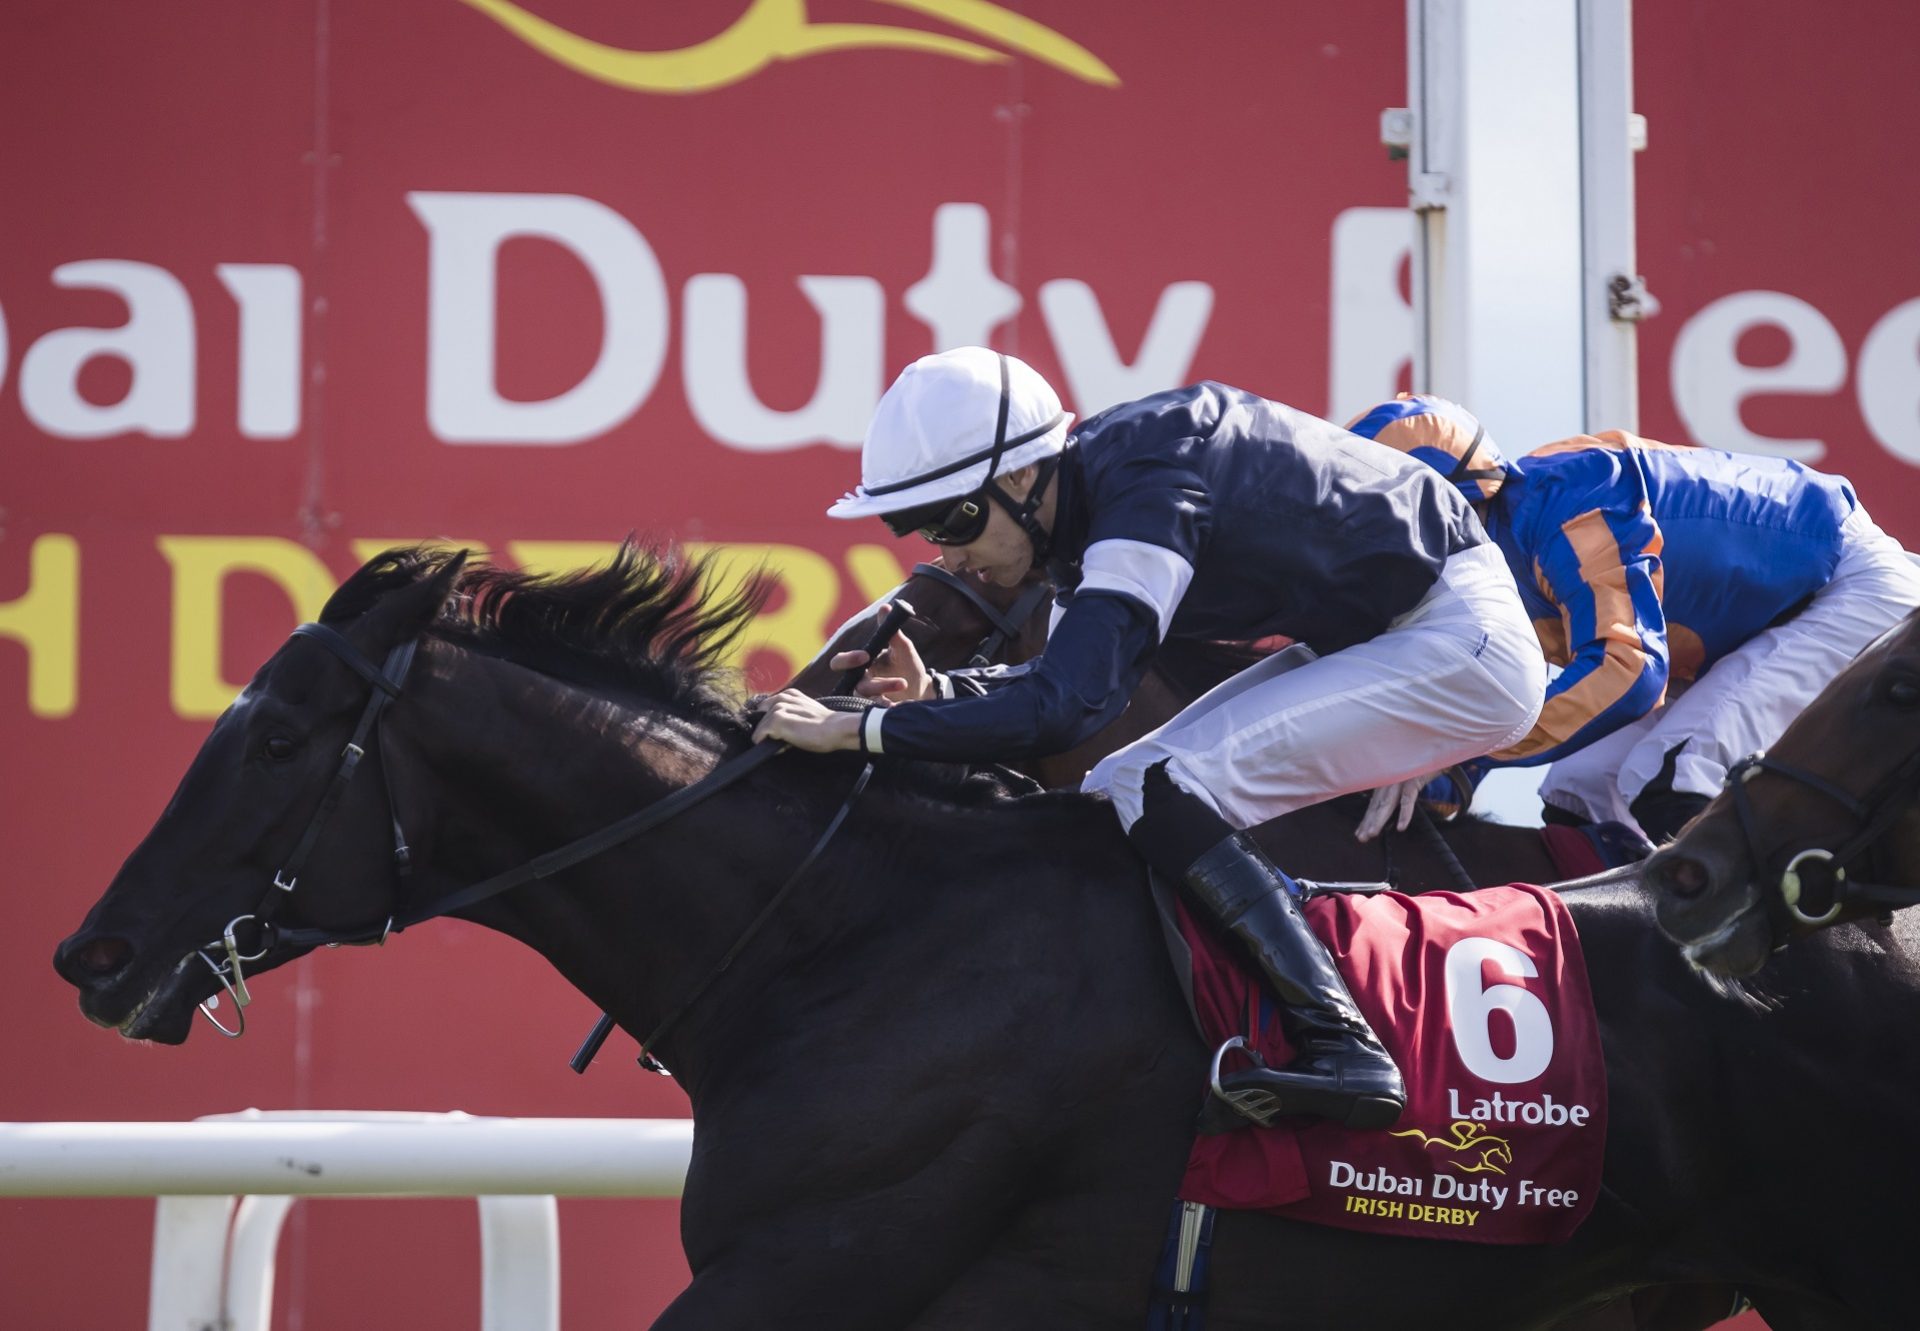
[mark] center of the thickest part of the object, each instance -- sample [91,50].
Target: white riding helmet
[950,424]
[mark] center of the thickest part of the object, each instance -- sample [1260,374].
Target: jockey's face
[1001,554]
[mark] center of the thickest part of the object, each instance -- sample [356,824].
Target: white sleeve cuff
[1153,575]
[942,686]
[870,729]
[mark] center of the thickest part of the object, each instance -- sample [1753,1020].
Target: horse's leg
[1613,1315]
[1018,1291]
[779,1236]
[1795,1311]
[1683,1307]
[1082,1259]
[859,1263]
[1658,1308]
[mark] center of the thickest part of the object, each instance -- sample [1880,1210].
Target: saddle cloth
[1482,998]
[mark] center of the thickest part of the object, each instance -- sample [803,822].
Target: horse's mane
[648,621]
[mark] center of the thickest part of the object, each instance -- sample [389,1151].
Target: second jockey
[1205,513]
[1643,564]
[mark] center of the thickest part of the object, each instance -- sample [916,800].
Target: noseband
[386,685]
[1794,892]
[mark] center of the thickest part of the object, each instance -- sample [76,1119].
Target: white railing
[224,1185]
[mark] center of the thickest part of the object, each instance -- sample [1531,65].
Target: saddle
[1580,851]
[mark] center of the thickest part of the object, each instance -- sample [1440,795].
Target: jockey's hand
[1446,794]
[1393,803]
[906,677]
[801,721]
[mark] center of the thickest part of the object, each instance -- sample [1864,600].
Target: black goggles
[943,522]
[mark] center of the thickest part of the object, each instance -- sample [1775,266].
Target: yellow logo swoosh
[1483,1152]
[773,30]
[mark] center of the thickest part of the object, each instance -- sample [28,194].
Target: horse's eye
[279,748]
[1904,693]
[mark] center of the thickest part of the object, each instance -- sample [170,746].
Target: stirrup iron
[1256,1104]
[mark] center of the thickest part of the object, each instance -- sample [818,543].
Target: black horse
[957,623]
[1821,830]
[950,1082]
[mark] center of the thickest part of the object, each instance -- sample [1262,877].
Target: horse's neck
[536,765]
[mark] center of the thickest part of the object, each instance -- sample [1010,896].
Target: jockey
[1644,564]
[1208,513]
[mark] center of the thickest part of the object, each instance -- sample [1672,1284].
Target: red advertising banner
[283,284]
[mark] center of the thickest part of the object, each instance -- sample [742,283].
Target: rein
[386,688]
[1879,810]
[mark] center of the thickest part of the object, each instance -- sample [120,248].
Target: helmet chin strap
[1464,470]
[1024,513]
[1037,536]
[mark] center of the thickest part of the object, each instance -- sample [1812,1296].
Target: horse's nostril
[1685,877]
[98,958]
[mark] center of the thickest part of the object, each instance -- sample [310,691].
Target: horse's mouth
[1739,947]
[165,1014]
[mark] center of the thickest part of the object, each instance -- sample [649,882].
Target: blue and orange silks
[1642,563]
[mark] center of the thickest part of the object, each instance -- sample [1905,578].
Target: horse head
[956,622]
[196,888]
[387,764]
[1824,827]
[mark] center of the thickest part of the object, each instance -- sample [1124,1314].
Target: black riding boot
[1661,814]
[1340,1070]
[1661,810]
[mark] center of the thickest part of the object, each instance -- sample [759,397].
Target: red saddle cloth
[1483,1001]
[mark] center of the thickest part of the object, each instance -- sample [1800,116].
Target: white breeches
[1746,698]
[1456,677]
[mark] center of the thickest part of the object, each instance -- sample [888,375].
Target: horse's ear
[406,611]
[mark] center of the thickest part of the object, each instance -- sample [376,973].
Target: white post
[252,1245]
[187,1286]
[519,1264]
[1521,178]
[1614,296]
[1520,144]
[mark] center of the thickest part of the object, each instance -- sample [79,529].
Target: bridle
[1795,895]
[386,682]
[1005,627]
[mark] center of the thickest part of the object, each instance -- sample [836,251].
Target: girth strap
[1182,1281]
